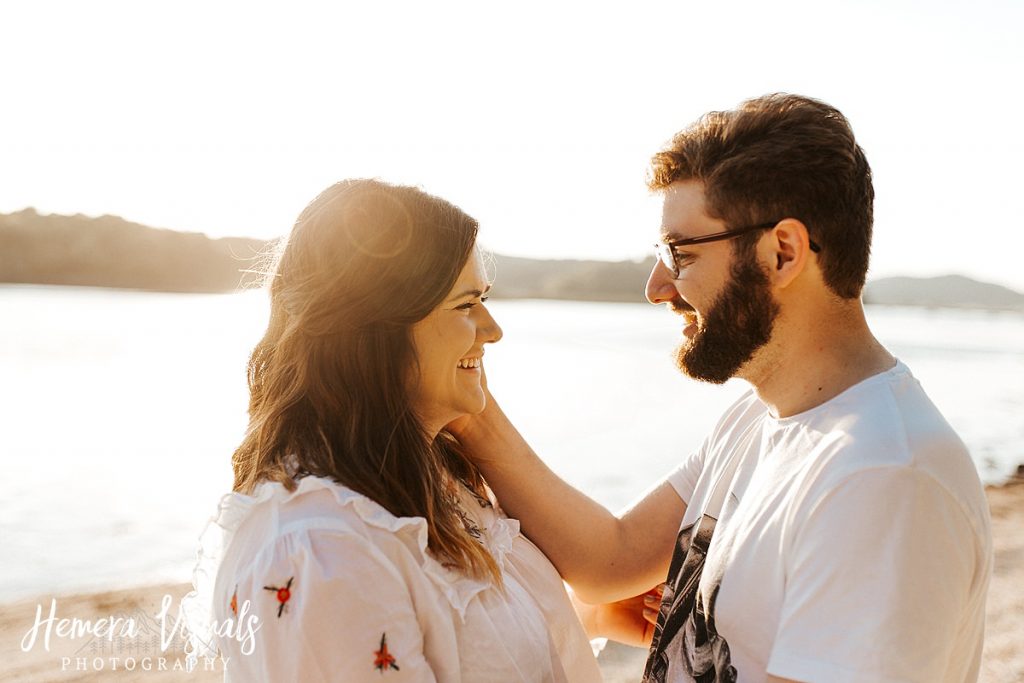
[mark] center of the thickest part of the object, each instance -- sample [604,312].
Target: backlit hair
[329,380]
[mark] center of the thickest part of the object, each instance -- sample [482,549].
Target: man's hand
[460,425]
[630,621]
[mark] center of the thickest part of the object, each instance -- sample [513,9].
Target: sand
[1003,661]
[106,659]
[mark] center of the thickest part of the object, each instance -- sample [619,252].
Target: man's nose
[661,286]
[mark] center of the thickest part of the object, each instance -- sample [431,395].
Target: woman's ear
[789,248]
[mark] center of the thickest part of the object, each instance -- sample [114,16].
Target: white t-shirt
[847,544]
[345,591]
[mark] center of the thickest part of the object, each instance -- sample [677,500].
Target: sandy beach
[141,658]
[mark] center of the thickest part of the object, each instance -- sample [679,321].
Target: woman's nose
[489,330]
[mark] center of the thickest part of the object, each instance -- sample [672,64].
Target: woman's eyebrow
[471,292]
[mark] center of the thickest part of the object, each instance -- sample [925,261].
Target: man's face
[725,298]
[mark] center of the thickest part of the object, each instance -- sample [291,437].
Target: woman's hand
[630,621]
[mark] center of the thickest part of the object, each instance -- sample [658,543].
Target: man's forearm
[604,557]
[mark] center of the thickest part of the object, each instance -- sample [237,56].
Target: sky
[538,118]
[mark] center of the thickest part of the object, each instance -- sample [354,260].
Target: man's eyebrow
[471,293]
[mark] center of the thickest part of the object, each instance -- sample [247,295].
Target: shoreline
[626,296]
[1003,657]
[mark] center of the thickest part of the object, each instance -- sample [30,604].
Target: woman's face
[449,344]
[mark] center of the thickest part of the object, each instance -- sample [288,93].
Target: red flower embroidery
[283,594]
[234,602]
[384,660]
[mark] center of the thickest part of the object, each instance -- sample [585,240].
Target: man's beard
[739,322]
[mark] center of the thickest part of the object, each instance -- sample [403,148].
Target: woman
[359,543]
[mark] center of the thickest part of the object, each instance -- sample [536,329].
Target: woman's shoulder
[321,528]
[319,520]
[316,507]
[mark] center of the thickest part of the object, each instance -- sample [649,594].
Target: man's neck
[814,358]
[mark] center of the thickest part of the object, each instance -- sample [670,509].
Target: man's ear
[789,248]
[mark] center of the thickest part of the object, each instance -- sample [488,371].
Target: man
[832,527]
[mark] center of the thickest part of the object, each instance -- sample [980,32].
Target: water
[120,410]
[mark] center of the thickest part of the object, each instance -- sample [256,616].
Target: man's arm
[603,557]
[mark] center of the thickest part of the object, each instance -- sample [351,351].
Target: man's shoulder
[889,423]
[888,415]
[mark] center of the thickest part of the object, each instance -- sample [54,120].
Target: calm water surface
[120,411]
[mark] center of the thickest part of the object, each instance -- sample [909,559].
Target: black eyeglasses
[665,251]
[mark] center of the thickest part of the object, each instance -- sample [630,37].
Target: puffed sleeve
[331,606]
[878,574]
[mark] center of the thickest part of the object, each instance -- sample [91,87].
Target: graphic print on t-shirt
[686,646]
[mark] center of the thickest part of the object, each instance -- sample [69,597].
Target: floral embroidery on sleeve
[283,595]
[384,660]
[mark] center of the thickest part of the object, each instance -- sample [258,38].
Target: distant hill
[111,252]
[522,278]
[946,291]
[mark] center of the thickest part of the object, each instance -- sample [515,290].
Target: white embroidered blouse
[324,584]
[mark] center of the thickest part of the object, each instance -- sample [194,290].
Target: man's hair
[782,156]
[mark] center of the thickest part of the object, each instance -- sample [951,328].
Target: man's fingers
[652,603]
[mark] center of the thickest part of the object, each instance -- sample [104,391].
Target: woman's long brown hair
[328,381]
